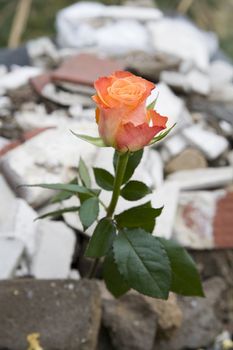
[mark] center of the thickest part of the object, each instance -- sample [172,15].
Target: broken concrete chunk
[191,82]
[18,77]
[65,98]
[211,144]
[47,158]
[120,23]
[175,145]
[221,73]
[25,226]
[5,102]
[181,38]
[54,251]
[150,169]
[17,221]
[11,251]
[42,52]
[194,221]
[3,142]
[202,178]
[8,209]
[3,70]
[167,196]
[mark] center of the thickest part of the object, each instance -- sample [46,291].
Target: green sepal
[151,106]
[185,277]
[135,190]
[96,141]
[102,239]
[143,262]
[161,135]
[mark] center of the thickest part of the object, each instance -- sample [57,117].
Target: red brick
[85,69]
[223,222]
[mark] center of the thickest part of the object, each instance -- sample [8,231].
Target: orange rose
[123,120]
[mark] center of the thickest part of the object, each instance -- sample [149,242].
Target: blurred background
[214,15]
[51,53]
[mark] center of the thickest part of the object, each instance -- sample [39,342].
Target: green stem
[122,161]
[120,172]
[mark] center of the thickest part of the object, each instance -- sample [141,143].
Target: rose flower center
[126,91]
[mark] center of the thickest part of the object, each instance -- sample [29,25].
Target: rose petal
[101,86]
[157,119]
[132,138]
[122,74]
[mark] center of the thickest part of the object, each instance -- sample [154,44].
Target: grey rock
[66,314]
[55,250]
[200,325]
[11,251]
[218,109]
[131,322]
[150,65]
[169,314]
[188,159]
[18,56]
[230,158]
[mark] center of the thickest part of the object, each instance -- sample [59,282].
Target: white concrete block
[196,179]
[211,144]
[167,196]
[11,251]
[55,250]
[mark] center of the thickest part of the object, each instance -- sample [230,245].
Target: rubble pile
[190,172]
